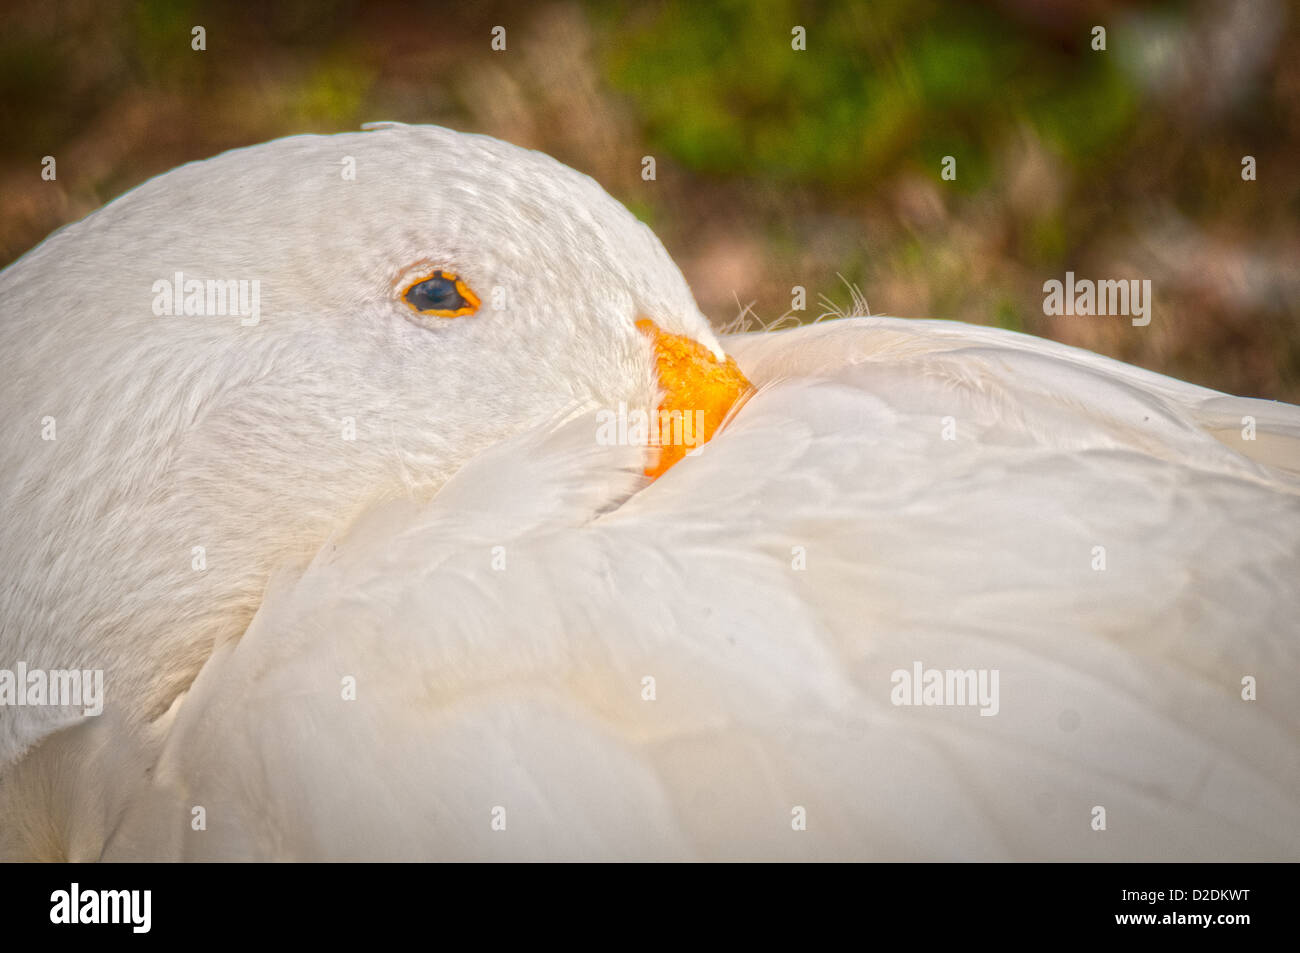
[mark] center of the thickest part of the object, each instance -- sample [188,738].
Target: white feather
[516,692]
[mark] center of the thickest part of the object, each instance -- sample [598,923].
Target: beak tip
[700,388]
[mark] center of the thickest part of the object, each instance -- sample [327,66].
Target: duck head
[209,376]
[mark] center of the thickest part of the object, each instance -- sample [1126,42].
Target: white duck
[477,631]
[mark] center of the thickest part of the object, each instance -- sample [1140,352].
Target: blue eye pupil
[437,293]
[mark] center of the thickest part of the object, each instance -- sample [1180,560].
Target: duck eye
[442,293]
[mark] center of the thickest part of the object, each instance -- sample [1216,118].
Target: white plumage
[769,586]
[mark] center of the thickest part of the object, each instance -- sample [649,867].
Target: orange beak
[699,392]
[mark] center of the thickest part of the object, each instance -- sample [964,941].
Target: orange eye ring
[441,293]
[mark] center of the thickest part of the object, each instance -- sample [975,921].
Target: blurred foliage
[892,83]
[776,167]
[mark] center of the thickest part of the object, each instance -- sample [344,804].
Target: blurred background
[774,167]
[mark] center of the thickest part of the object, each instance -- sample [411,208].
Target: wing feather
[683,670]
